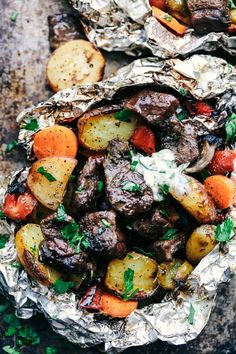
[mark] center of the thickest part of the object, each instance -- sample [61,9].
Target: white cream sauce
[160,170]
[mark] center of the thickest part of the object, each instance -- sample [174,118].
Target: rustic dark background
[24,50]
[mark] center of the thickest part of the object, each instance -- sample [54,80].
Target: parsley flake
[61,213]
[128,284]
[191,314]
[12,145]
[169,234]
[51,350]
[133,165]
[100,186]
[2,215]
[34,249]
[3,240]
[164,213]
[46,174]
[71,178]
[31,125]
[224,231]
[10,350]
[80,189]
[14,15]
[106,223]
[131,187]
[4,307]
[182,115]
[165,188]
[124,115]
[141,251]
[168,18]
[230,127]
[61,286]
[182,91]
[72,234]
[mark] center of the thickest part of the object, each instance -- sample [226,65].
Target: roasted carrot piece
[115,307]
[222,189]
[55,141]
[168,21]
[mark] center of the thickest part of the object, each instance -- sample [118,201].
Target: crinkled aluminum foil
[121,25]
[202,76]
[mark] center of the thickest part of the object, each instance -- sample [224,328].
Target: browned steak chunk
[165,250]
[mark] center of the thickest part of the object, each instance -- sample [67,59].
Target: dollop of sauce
[162,174]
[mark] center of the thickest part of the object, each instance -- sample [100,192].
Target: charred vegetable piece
[19,206]
[28,239]
[48,179]
[169,21]
[126,190]
[177,5]
[222,162]
[55,141]
[115,307]
[99,126]
[169,273]
[144,139]
[92,299]
[200,243]
[153,106]
[144,271]
[195,199]
[164,250]
[222,189]
[161,4]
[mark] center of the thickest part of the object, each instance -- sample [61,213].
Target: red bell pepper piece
[199,107]
[18,206]
[92,299]
[222,162]
[144,139]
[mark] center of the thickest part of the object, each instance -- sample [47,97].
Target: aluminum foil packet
[128,26]
[201,76]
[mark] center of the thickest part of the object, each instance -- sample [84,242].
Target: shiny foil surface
[128,26]
[201,76]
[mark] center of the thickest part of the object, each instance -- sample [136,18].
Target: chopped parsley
[230,127]
[164,213]
[27,336]
[182,115]
[168,18]
[61,213]
[71,178]
[170,234]
[61,286]
[141,251]
[51,350]
[124,115]
[74,236]
[133,165]
[106,223]
[3,240]
[4,307]
[100,186]
[231,5]
[129,255]
[14,15]
[12,145]
[129,284]
[10,350]
[34,249]
[191,314]
[165,188]
[80,189]
[31,125]
[224,231]
[131,187]
[46,174]
[16,265]
[182,91]
[2,215]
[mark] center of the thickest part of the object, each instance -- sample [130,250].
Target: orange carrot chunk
[115,307]
[168,21]
[222,189]
[55,141]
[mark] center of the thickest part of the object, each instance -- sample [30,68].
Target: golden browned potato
[96,131]
[200,243]
[48,179]
[144,271]
[76,62]
[28,239]
[195,199]
[169,273]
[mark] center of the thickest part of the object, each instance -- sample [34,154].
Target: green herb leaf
[133,165]
[182,91]
[16,265]
[230,127]
[164,213]
[61,286]
[11,145]
[130,256]
[4,307]
[10,331]
[231,5]
[46,174]
[12,320]
[2,215]
[128,284]
[10,350]
[76,239]
[51,350]
[224,231]
[182,115]
[3,240]
[27,336]
[80,189]
[165,188]
[141,251]
[106,223]
[71,178]
[124,115]
[14,16]
[34,249]
[170,234]
[168,18]
[100,186]
[31,125]
[131,187]
[191,314]
[61,213]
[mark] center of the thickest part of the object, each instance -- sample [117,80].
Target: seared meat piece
[153,106]
[58,254]
[181,139]
[87,182]
[63,28]
[166,249]
[51,227]
[103,234]
[151,226]
[126,190]
[209,16]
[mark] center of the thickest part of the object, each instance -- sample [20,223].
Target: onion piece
[207,154]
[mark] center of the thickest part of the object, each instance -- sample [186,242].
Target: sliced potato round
[95,132]
[169,273]
[145,275]
[195,200]
[48,190]
[28,239]
[200,243]
[76,62]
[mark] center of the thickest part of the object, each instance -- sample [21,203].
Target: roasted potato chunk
[195,199]
[28,239]
[170,273]
[200,243]
[48,179]
[145,275]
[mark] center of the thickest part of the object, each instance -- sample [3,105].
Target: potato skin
[200,243]
[27,241]
[170,273]
[145,275]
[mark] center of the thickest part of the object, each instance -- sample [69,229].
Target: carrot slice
[115,307]
[55,141]
[222,189]
[168,21]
